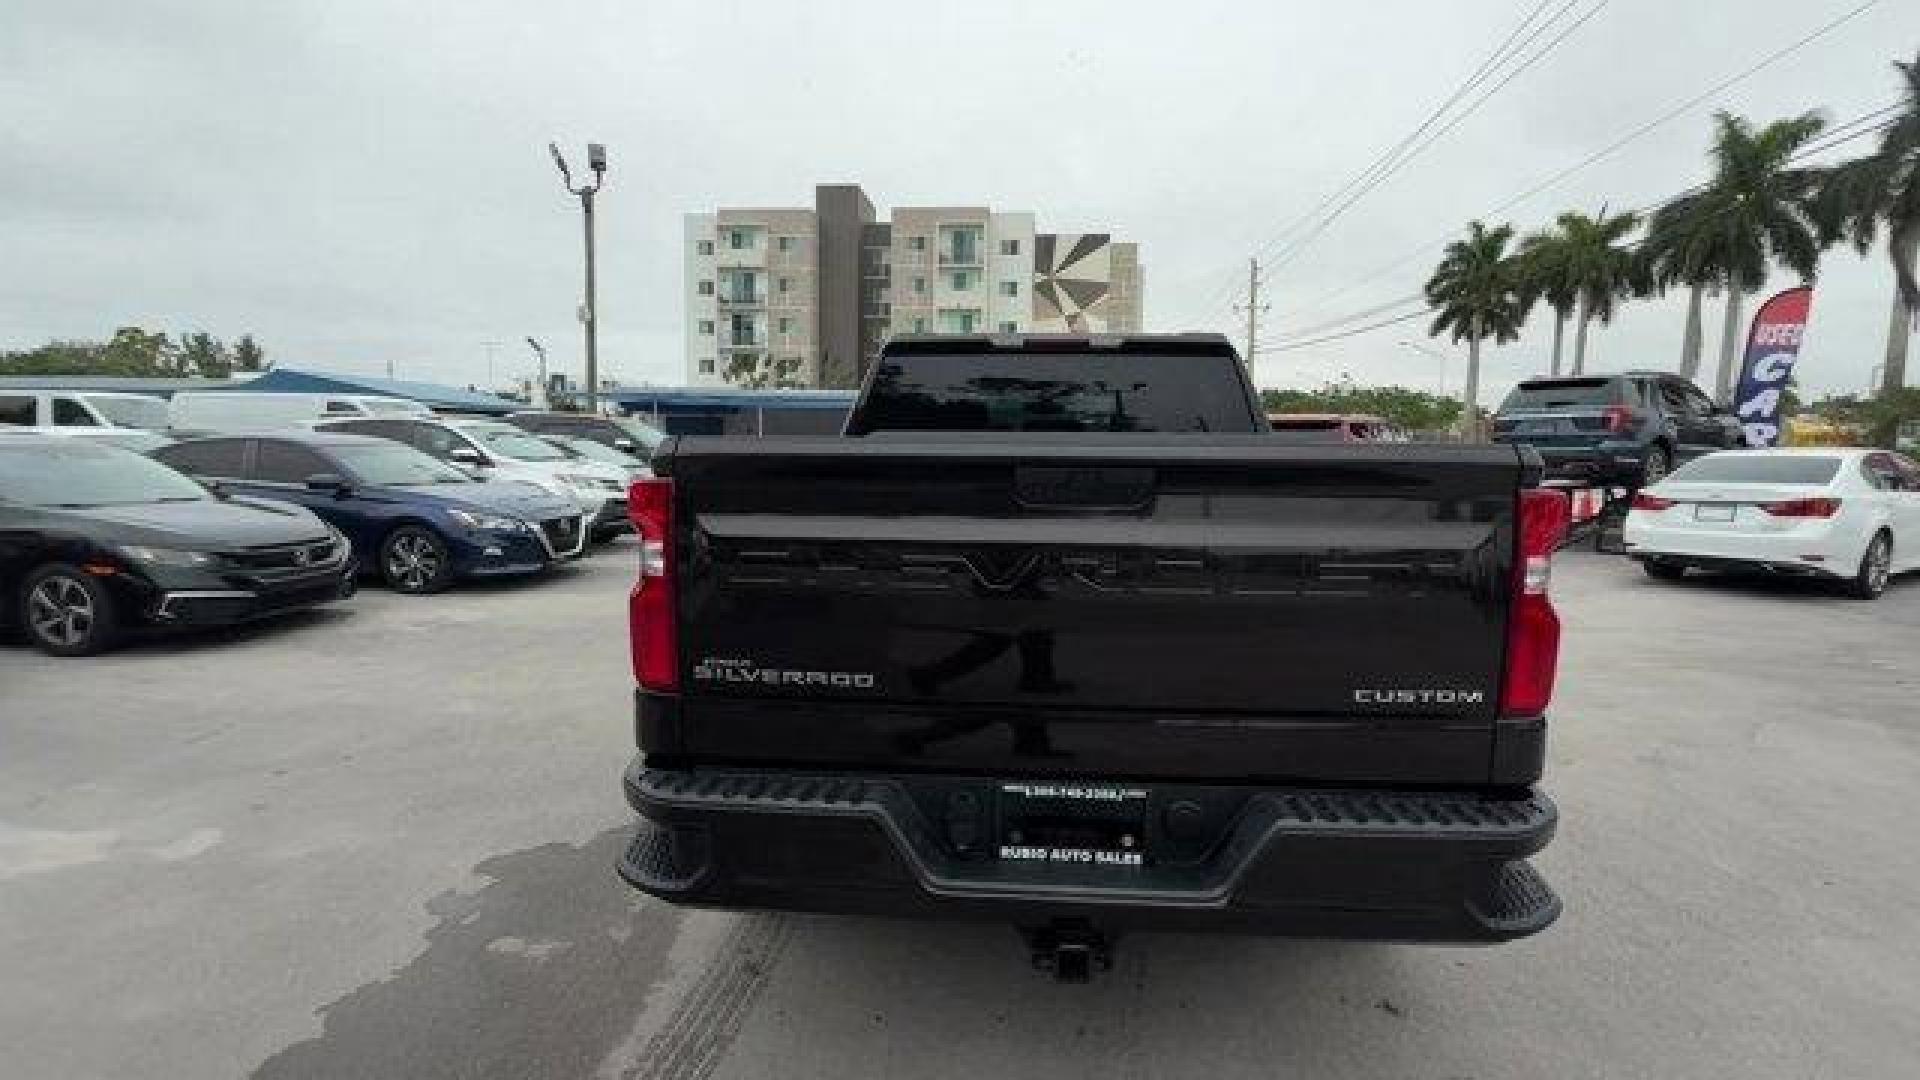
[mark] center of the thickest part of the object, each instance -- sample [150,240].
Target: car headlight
[161,556]
[495,522]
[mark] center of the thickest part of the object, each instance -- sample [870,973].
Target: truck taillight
[656,653]
[1533,627]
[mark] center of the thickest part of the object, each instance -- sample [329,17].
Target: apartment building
[805,297]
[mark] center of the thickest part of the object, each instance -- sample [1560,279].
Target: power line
[1300,244]
[1611,148]
[1803,153]
[1500,54]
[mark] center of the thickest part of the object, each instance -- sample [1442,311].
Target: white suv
[497,451]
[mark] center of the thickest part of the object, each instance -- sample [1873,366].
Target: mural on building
[1072,281]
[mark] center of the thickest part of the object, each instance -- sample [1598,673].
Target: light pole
[596,161]
[540,388]
[1431,354]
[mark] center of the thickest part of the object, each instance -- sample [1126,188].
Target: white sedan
[1849,515]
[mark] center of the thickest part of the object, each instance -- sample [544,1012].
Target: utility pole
[1254,309]
[492,349]
[589,317]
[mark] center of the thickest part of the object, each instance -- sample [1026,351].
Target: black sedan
[95,540]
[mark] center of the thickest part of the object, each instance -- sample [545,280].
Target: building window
[784,284]
[706,365]
[786,326]
[740,239]
[1009,247]
[1009,288]
[916,243]
[705,247]
[706,288]
[919,326]
[962,281]
[706,326]
[959,321]
[785,243]
[920,284]
[744,331]
[1009,327]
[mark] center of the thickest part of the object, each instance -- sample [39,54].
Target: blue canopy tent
[433,395]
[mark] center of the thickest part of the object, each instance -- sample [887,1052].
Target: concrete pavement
[377,841]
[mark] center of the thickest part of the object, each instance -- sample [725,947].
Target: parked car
[1623,430]
[1057,635]
[1906,437]
[247,410]
[420,524]
[1848,515]
[81,409]
[622,433]
[1334,428]
[494,450]
[96,541]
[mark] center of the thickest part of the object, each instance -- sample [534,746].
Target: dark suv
[1628,429]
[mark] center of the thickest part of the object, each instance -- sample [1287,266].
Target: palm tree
[1478,292]
[1663,259]
[1883,188]
[1757,210]
[1543,273]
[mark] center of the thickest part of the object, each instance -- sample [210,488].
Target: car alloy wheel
[1656,467]
[66,613]
[415,561]
[1876,568]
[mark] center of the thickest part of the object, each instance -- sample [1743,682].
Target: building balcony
[743,299]
[743,345]
[961,258]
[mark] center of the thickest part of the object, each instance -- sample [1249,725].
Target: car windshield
[644,436]
[592,451]
[1758,469]
[136,412]
[1559,395]
[394,465]
[75,474]
[514,443]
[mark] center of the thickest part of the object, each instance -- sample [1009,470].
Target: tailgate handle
[1083,486]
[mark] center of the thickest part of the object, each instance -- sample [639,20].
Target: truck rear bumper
[1438,867]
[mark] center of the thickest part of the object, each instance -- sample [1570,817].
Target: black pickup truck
[1060,634]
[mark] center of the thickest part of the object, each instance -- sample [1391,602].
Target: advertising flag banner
[1772,346]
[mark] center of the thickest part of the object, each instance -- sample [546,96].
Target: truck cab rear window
[1090,392]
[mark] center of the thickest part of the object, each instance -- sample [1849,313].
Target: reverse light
[656,652]
[1533,627]
[1803,508]
[1644,501]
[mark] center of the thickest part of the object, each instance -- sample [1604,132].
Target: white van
[247,410]
[81,408]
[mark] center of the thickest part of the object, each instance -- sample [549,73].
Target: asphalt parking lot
[376,841]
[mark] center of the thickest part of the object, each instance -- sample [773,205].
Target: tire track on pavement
[694,1039]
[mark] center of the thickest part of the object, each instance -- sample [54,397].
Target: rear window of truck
[1560,395]
[1054,392]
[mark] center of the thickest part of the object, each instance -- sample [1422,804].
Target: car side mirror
[328,481]
[624,445]
[214,488]
[466,455]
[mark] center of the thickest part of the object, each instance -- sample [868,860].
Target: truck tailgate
[1213,605]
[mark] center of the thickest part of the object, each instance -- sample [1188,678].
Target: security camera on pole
[596,161]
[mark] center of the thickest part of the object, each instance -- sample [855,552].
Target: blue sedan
[418,523]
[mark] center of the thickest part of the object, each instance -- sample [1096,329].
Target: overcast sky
[359,182]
